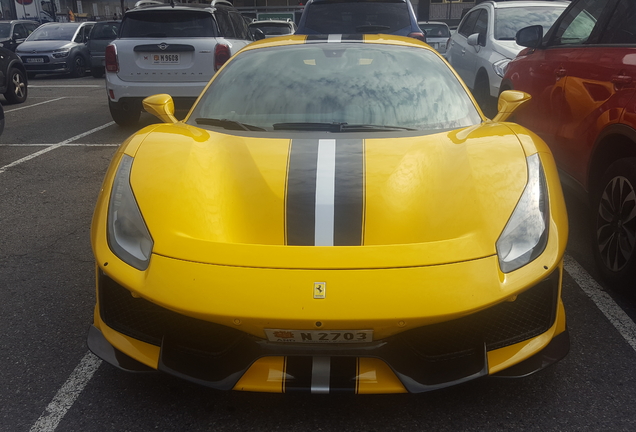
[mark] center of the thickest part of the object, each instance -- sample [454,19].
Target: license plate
[34,60]
[319,336]
[435,45]
[165,59]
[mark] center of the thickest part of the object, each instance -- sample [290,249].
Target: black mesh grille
[531,314]
[507,323]
[145,321]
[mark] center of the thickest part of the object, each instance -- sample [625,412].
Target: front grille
[145,321]
[531,314]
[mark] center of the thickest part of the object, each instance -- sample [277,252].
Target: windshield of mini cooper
[336,88]
[510,20]
[54,32]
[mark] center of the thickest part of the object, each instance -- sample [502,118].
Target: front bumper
[510,339]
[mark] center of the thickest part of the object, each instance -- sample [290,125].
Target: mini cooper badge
[320,290]
[163,46]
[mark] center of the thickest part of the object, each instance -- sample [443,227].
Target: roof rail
[222,2]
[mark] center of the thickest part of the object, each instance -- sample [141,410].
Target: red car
[582,78]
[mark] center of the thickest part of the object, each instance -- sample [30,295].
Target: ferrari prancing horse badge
[320,290]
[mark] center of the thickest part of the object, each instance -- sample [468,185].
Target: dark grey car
[103,33]
[57,48]
[14,32]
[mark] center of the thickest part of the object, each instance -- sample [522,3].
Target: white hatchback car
[174,50]
[485,43]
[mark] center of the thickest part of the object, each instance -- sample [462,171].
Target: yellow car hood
[399,202]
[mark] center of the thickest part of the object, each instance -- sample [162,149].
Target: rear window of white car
[168,24]
[510,20]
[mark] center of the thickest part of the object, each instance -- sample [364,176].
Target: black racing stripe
[343,374]
[353,37]
[298,374]
[300,205]
[349,199]
[316,38]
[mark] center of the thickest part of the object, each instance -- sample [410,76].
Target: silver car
[57,48]
[437,35]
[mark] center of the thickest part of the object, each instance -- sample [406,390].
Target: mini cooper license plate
[319,336]
[165,59]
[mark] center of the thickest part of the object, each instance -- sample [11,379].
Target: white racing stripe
[67,394]
[320,375]
[53,147]
[619,319]
[325,192]
[33,105]
[335,38]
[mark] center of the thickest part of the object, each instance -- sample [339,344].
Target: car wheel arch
[615,142]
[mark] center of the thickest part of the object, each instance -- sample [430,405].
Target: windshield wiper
[337,127]
[227,124]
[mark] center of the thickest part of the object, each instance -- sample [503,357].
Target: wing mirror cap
[161,106]
[509,102]
[530,37]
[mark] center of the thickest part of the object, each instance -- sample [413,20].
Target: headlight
[128,236]
[526,233]
[61,53]
[500,67]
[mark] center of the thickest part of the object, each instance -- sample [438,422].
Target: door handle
[621,79]
[463,51]
[561,72]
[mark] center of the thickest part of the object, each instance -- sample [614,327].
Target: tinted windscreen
[435,30]
[357,17]
[54,32]
[353,84]
[172,24]
[510,20]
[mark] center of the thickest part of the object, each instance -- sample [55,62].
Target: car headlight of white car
[526,234]
[501,66]
[128,236]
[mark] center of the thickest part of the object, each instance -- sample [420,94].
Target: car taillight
[221,55]
[418,35]
[110,59]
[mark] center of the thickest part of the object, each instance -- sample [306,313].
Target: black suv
[14,32]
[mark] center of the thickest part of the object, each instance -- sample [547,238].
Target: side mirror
[530,37]
[509,102]
[473,39]
[161,106]
[258,34]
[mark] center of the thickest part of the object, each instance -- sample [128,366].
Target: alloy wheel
[616,223]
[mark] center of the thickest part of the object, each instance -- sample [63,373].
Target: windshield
[301,87]
[435,30]
[509,21]
[54,32]
[5,30]
[172,24]
[357,17]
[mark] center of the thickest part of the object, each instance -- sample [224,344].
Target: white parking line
[68,393]
[68,86]
[54,146]
[617,316]
[63,145]
[31,106]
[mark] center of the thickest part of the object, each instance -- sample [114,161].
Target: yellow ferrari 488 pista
[334,214]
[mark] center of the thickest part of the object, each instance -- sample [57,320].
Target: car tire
[124,114]
[97,72]
[481,92]
[78,67]
[614,223]
[16,87]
